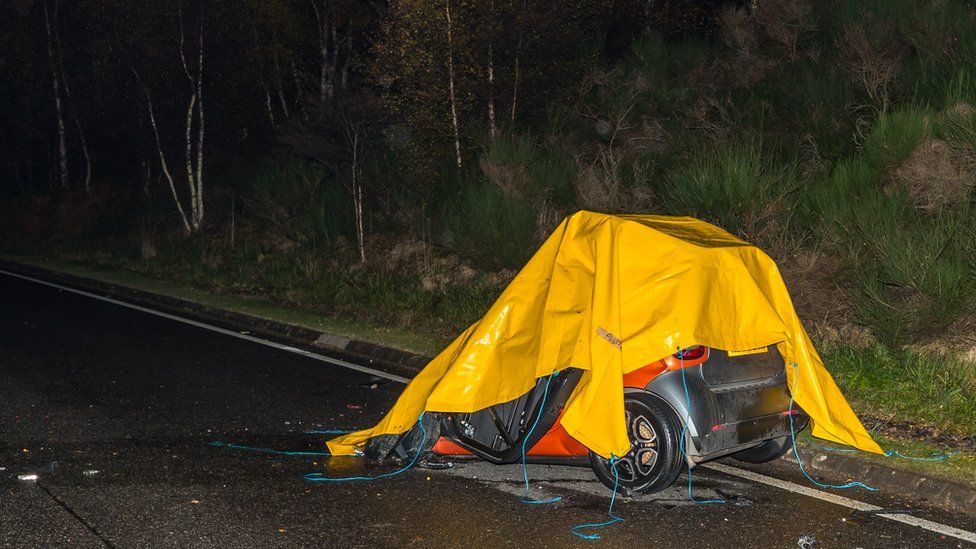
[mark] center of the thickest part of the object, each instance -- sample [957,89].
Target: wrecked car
[650,342]
[737,404]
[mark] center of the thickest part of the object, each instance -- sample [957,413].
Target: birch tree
[450,76]
[353,128]
[191,60]
[72,106]
[325,27]
[492,127]
[194,143]
[56,88]
[275,32]
[63,103]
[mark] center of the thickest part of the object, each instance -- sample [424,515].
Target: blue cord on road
[319,477]
[683,442]
[328,432]
[934,456]
[525,474]
[221,444]
[613,518]
[796,453]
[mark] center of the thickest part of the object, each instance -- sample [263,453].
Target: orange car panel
[557,442]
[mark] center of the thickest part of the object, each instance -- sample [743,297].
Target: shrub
[914,273]
[894,137]
[739,187]
[521,167]
[491,228]
[296,199]
[912,264]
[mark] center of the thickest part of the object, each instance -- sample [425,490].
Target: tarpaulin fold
[610,294]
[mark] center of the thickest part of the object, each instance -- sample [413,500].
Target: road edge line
[836,499]
[217,329]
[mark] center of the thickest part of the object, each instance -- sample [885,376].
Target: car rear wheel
[765,452]
[654,460]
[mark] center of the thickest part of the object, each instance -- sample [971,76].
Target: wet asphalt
[113,410]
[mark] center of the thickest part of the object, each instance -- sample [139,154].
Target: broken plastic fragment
[27,477]
[807,541]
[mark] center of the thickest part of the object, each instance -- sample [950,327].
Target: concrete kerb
[936,490]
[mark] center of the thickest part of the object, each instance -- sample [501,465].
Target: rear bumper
[731,437]
[727,418]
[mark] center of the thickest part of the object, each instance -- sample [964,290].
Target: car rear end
[732,401]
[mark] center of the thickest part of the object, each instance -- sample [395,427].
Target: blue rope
[328,432]
[613,518]
[935,455]
[684,430]
[796,453]
[220,444]
[319,477]
[525,474]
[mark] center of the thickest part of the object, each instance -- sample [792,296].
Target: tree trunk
[194,173]
[325,70]
[188,141]
[450,72]
[267,106]
[299,88]
[145,182]
[281,89]
[55,84]
[71,105]
[357,199]
[81,138]
[492,129]
[198,210]
[517,75]
[162,159]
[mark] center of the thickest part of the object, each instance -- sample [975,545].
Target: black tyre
[654,460]
[765,452]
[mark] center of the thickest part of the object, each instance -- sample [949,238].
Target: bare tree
[194,130]
[281,89]
[334,136]
[164,165]
[450,73]
[194,143]
[71,104]
[56,85]
[492,128]
[326,31]
[267,105]
[352,128]
[517,72]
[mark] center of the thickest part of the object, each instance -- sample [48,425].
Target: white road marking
[734,471]
[845,502]
[247,337]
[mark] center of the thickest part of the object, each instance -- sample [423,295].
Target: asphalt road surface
[113,410]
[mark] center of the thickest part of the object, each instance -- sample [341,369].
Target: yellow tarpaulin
[610,294]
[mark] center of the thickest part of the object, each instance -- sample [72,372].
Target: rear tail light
[690,353]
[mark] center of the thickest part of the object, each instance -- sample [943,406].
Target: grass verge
[959,467]
[256,306]
[906,385]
